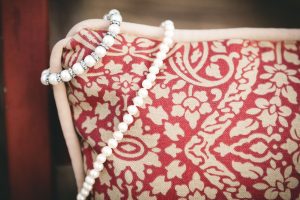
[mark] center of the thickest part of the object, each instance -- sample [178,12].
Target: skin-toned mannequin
[59,90]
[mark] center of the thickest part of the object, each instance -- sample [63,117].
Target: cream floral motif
[278,182]
[91,89]
[292,144]
[281,78]
[79,103]
[271,111]
[173,131]
[195,189]
[125,82]
[157,114]
[161,91]
[250,49]
[112,68]
[191,106]
[160,185]
[111,97]
[219,112]
[135,47]
[280,50]
[279,75]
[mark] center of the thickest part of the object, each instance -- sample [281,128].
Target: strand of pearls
[90,60]
[138,101]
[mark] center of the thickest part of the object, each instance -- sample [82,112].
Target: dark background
[34,163]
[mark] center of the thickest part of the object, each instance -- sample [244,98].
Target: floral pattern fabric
[221,122]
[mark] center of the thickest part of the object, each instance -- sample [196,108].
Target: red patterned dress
[221,122]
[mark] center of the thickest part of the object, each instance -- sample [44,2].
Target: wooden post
[25,54]
[4,189]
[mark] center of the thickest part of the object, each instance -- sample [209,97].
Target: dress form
[150,32]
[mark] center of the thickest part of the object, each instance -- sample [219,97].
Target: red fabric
[221,122]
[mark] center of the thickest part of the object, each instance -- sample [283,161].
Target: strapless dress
[221,122]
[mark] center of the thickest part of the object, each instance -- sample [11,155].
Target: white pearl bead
[169,34]
[77,69]
[107,151]
[132,109]
[112,143]
[168,22]
[84,192]
[168,41]
[161,55]
[52,79]
[158,62]
[169,27]
[108,40]
[147,84]
[143,92]
[114,11]
[101,158]
[94,173]
[80,197]
[114,28]
[87,186]
[138,101]
[123,127]
[118,135]
[89,180]
[154,69]
[90,61]
[100,51]
[65,75]
[151,77]
[164,48]
[44,78]
[116,17]
[128,119]
[98,167]
[46,71]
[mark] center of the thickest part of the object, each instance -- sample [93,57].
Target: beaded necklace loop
[78,68]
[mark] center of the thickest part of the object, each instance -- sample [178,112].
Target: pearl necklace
[138,101]
[90,60]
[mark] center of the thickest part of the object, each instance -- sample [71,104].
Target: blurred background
[34,162]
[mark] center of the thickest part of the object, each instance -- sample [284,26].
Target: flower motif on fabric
[79,103]
[134,47]
[196,189]
[191,105]
[278,182]
[279,75]
[125,83]
[249,50]
[280,79]
[292,144]
[269,112]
